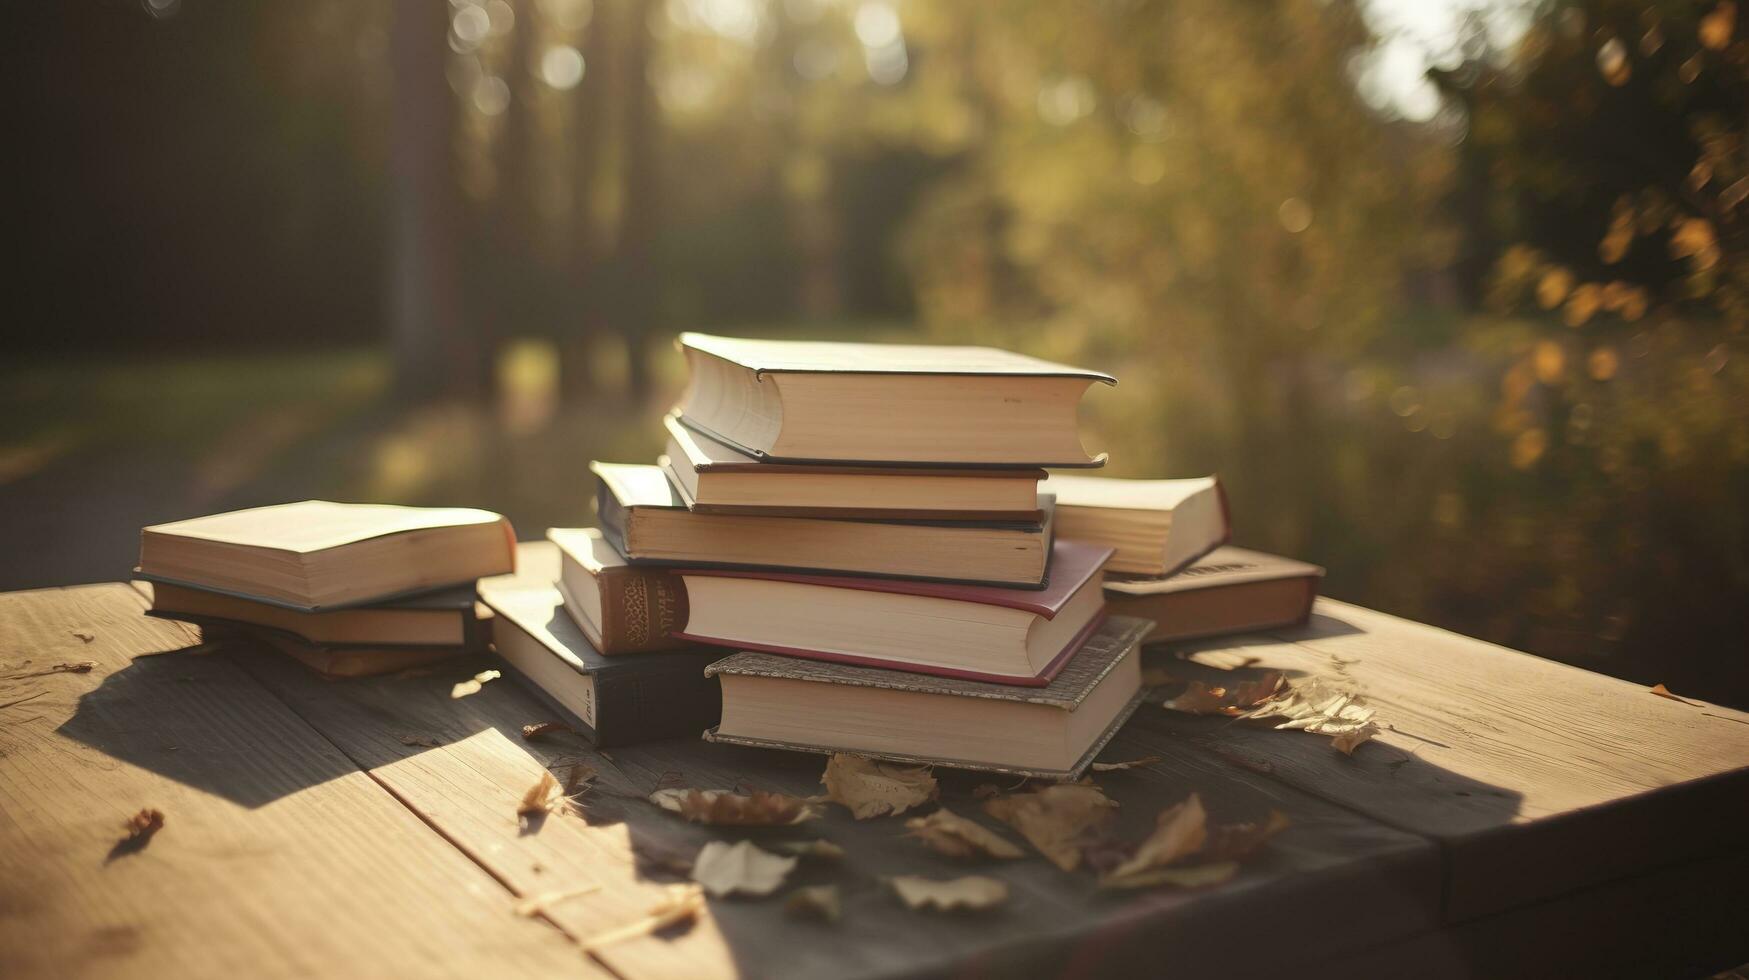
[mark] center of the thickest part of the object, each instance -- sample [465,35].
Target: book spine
[641,610]
[635,705]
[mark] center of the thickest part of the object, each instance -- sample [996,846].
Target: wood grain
[468,789]
[277,856]
[1537,778]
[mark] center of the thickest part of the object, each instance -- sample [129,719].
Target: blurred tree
[434,355]
[1611,149]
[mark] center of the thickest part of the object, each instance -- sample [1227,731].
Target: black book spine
[634,705]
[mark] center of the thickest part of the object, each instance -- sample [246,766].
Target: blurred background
[1451,293]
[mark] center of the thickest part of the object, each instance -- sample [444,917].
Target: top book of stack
[885,404]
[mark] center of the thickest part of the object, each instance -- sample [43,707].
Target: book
[340,662]
[1229,590]
[803,401]
[715,479]
[621,608]
[971,632]
[1156,526]
[644,516]
[318,555]
[1049,732]
[608,700]
[445,618]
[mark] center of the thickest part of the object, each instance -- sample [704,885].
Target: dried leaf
[1190,876]
[473,685]
[76,667]
[869,788]
[819,902]
[141,826]
[970,893]
[423,741]
[1056,819]
[543,797]
[725,809]
[949,833]
[543,729]
[1146,760]
[579,778]
[683,903]
[84,636]
[1237,841]
[1178,833]
[1348,741]
[1323,710]
[819,850]
[725,869]
[1664,692]
[536,904]
[1199,698]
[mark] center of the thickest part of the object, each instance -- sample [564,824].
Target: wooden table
[1517,818]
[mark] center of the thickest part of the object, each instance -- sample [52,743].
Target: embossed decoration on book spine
[647,608]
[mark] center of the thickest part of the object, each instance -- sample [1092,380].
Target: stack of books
[863,524]
[348,589]
[1171,563]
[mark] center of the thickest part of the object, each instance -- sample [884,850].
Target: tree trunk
[639,218]
[589,303]
[431,349]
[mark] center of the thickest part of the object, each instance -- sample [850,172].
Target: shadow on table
[1335,881]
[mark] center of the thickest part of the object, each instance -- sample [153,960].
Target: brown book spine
[641,610]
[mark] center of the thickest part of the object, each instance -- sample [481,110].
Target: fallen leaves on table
[818,850]
[422,741]
[971,893]
[1323,710]
[536,904]
[543,729]
[579,778]
[1237,841]
[1146,760]
[473,684]
[946,832]
[726,809]
[1056,819]
[1187,876]
[1199,698]
[682,903]
[84,636]
[727,869]
[1178,833]
[818,902]
[141,826]
[1186,850]
[543,797]
[871,788]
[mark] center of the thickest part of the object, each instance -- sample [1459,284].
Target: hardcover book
[881,404]
[445,618]
[971,632]
[318,555]
[609,700]
[1156,526]
[621,608]
[645,517]
[1050,732]
[715,479]
[1231,590]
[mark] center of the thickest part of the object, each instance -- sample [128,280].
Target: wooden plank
[1538,778]
[1684,920]
[469,786]
[277,856]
